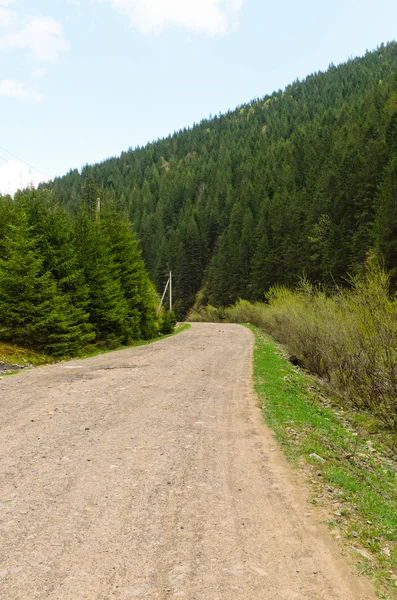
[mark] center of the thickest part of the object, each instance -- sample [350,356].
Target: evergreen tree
[134,281]
[32,310]
[107,305]
[53,228]
[167,323]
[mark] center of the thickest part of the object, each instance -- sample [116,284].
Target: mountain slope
[300,182]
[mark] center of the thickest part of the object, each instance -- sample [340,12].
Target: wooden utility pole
[170,280]
[169,283]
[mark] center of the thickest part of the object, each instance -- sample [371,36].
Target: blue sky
[82,80]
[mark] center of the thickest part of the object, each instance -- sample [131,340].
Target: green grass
[181,327]
[357,481]
[12,354]
[9,373]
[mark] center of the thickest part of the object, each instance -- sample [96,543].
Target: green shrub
[349,337]
[206,314]
[167,323]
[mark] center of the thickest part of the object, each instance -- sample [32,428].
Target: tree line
[71,278]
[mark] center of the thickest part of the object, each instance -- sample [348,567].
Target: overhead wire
[22,161]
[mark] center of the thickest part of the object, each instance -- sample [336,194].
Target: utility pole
[169,283]
[170,290]
[162,297]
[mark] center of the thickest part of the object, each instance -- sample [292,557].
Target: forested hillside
[302,181]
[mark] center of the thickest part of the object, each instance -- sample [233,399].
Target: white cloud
[14,89]
[42,36]
[15,175]
[8,18]
[212,17]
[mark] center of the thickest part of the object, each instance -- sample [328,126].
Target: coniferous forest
[300,182]
[68,279]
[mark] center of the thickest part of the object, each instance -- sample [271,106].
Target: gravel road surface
[147,473]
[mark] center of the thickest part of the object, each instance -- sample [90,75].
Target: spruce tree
[57,245]
[32,310]
[134,281]
[107,305]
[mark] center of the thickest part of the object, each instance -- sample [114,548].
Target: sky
[83,80]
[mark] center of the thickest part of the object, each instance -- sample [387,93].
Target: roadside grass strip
[352,473]
[9,353]
[14,358]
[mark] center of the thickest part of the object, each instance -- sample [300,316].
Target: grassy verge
[10,354]
[353,475]
[7,373]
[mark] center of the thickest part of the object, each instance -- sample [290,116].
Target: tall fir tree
[107,305]
[33,312]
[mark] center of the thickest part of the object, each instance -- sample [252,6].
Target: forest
[300,182]
[68,280]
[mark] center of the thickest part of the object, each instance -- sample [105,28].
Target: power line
[22,161]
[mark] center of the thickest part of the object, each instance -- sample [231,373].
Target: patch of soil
[7,367]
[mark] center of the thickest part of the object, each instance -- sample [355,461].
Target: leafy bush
[206,314]
[349,337]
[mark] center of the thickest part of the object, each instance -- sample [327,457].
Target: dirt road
[147,473]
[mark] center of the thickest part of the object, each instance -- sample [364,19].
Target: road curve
[147,473]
